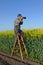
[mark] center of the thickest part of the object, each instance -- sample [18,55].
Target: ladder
[20,40]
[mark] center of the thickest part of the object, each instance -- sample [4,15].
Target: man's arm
[17,22]
[21,22]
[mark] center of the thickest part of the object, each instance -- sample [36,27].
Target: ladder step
[16,48]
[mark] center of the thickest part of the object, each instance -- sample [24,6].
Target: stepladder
[19,40]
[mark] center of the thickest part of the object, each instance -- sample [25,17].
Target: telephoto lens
[24,17]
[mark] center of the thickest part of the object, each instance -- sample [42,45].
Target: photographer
[17,24]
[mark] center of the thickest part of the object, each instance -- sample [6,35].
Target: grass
[33,39]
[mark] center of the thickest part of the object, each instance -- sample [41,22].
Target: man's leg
[22,33]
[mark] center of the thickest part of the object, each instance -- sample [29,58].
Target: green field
[33,39]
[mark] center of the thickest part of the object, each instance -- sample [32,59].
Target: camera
[24,17]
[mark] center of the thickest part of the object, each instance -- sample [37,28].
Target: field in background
[31,32]
[33,39]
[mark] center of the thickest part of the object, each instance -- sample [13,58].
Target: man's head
[19,16]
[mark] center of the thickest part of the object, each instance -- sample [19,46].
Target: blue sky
[32,9]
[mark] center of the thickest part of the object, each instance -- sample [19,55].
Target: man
[17,25]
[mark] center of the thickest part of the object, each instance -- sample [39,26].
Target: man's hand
[21,19]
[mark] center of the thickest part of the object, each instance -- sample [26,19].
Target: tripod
[20,40]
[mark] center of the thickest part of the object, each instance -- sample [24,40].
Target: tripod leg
[20,48]
[13,48]
[24,46]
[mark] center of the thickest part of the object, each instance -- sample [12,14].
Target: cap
[19,15]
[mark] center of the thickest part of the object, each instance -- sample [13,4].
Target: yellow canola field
[30,31]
